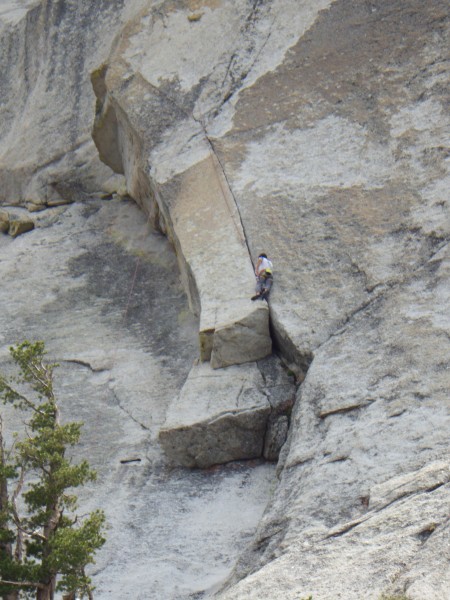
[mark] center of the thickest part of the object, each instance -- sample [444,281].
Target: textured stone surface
[326,124]
[352,209]
[210,239]
[48,49]
[365,474]
[197,211]
[19,226]
[235,413]
[339,164]
[380,554]
[102,289]
[280,386]
[242,339]
[158,121]
[219,416]
[4,222]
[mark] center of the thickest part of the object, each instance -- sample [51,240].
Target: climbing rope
[226,193]
[222,176]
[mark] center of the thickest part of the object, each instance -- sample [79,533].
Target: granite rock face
[94,281]
[316,131]
[331,140]
[368,459]
[220,416]
[48,49]
[234,413]
[4,222]
[194,207]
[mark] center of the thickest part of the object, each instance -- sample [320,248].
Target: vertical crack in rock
[316,130]
[126,411]
[229,191]
[199,216]
[195,207]
[232,330]
[280,391]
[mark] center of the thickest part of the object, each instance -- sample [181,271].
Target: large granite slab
[219,416]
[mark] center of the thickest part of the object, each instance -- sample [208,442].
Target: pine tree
[48,547]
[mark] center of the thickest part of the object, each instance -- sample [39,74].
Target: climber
[264,277]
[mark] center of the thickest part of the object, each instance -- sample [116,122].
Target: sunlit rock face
[317,132]
[125,349]
[48,49]
[223,415]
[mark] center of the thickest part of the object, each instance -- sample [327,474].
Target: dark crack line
[343,325]
[241,234]
[349,526]
[239,395]
[264,540]
[118,403]
[230,62]
[266,394]
[338,459]
[380,290]
[83,363]
[200,121]
[235,83]
[301,463]
[345,409]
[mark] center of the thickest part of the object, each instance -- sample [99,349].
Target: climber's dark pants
[263,284]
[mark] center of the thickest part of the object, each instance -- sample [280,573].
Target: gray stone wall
[318,133]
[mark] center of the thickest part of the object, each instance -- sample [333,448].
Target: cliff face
[318,133]
[47,49]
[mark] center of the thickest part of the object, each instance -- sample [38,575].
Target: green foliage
[73,548]
[49,540]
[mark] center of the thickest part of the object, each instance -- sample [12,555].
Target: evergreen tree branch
[23,584]
[11,395]
[56,544]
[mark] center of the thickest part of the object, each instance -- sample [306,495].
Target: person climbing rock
[264,277]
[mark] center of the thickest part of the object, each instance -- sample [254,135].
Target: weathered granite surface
[48,49]
[124,351]
[334,149]
[194,207]
[320,131]
[353,207]
[219,416]
[365,479]
[241,412]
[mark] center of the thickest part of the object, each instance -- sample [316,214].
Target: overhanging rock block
[243,339]
[195,207]
[209,234]
[218,417]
